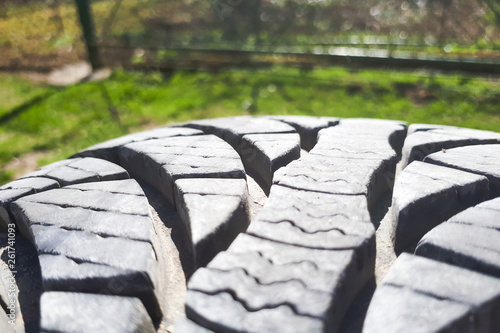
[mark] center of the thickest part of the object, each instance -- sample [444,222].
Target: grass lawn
[53,123]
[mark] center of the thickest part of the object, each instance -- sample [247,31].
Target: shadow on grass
[18,110]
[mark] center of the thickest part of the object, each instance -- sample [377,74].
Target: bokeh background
[44,34]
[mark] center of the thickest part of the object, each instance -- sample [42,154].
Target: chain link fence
[221,33]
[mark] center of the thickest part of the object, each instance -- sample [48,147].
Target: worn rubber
[262,224]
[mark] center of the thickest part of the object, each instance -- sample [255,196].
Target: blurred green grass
[57,122]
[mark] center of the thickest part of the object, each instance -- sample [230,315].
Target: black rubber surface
[260,224]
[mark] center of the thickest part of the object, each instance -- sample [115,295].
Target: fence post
[87,22]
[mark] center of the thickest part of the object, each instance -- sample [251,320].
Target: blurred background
[431,61]
[43,34]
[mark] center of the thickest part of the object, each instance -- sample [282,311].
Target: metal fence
[441,34]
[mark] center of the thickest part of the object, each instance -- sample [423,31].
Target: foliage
[494,7]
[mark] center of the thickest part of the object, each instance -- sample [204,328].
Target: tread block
[270,262]
[266,274]
[78,312]
[318,204]
[49,211]
[93,200]
[329,175]
[222,312]
[133,262]
[102,223]
[215,211]
[261,264]
[314,211]
[426,140]
[102,168]
[266,153]
[311,221]
[298,218]
[56,175]
[483,215]
[34,184]
[361,153]
[479,159]
[393,131]
[47,233]
[62,273]
[263,144]
[340,144]
[232,129]
[420,294]
[426,195]
[265,271]
[315,173]
[108,150]
[66,175]
[307,127]
[282,254]
[94,237]
[86,247]
[257,295]
[470,239]
[355,237]
[127,186]
[161,162]
[405,310]
[80,170]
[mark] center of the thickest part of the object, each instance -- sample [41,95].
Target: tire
[259,224]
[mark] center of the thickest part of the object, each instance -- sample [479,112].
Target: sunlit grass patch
[67,120]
